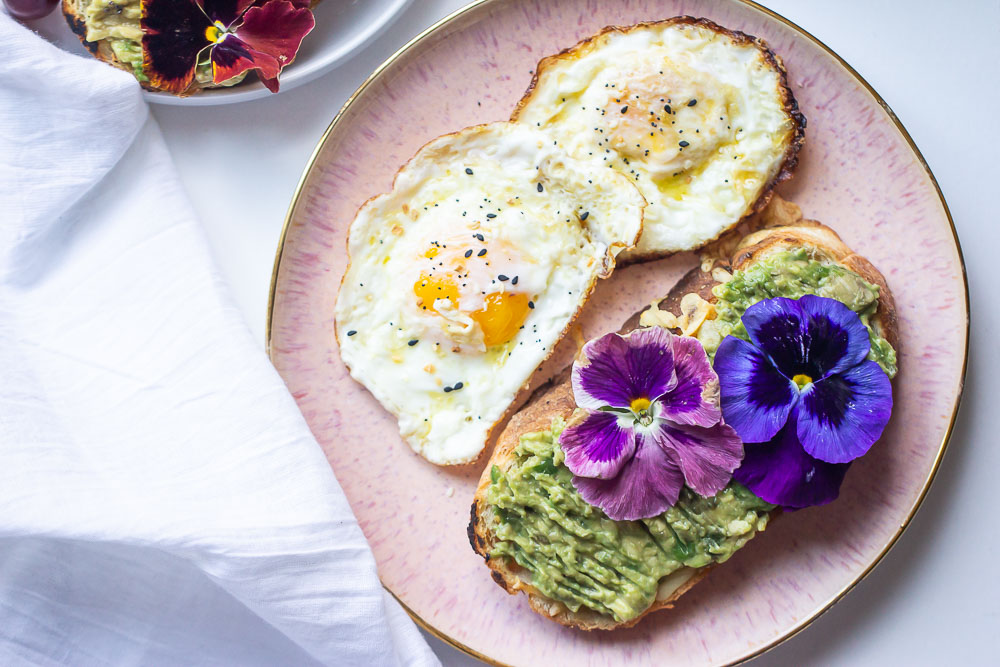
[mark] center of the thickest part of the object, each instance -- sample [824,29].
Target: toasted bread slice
[553,400]
[738,251]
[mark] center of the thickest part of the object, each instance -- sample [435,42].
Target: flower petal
[775,326]
[619,369]
[756,399]
[836,338]
[225,11]
[597,446]
[173,36]
[647,485]
[814,335]
[276,28]
[840,417]
[695,399]
[780,472]
[707,456]
[232,56]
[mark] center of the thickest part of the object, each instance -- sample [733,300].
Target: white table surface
[933,599]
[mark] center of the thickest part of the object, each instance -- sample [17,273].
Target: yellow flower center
[639,404]
[215,33]
[802,380]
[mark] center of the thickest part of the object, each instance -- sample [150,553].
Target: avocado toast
[184,38]
[579,567]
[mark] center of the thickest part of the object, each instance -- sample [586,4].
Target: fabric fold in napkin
[162,500]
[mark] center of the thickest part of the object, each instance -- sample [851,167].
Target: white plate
[342,28]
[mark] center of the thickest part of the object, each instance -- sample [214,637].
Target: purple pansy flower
[652,424]
[804,389]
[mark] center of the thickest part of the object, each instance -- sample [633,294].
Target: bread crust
[760,245]
[789,104]
[555,399]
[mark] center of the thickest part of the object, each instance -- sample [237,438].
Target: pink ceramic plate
[859,173]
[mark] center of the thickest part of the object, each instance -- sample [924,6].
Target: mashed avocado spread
[580,557]
[117,22]
[793,274]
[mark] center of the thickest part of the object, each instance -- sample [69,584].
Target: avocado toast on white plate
[183,47]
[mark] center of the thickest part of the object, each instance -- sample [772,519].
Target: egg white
[492,209]
[700,119]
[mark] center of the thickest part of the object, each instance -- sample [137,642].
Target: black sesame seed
[491,215]
[468,253]
[458,385]
[683,144]
[479,236]
[584,215]
[513,280]
[468,171]
[540,188]
[351,332]
[531,304]
[666,107]
[692,103]
[481,252]
[413,342]
[447,389]
[503,278]
[625,109]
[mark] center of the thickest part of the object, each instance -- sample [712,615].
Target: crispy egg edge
[789,104]
[608,265]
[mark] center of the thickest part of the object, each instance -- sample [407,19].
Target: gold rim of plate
[820,610]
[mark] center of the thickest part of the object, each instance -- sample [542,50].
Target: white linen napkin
[162,500]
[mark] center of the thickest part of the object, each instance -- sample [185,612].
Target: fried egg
[698,117]
[463,277]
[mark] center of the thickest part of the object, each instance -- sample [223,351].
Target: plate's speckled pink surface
[857,173]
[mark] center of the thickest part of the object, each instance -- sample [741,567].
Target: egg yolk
[502,317]
[429,290]
[667,120]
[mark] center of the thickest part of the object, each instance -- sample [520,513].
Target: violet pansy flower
[804,389]
[651,423]
[235,35]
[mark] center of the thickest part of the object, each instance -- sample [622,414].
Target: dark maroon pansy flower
[239,35]
[804,390]
[650,423]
